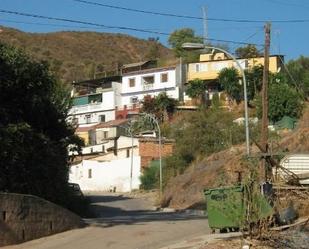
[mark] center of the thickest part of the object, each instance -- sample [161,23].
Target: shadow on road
[113,210]
[107,198]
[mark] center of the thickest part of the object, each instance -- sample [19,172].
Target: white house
[110,168]
[137,84]
[94,101]
[112,175]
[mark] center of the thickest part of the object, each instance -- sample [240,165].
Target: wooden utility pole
[264,131]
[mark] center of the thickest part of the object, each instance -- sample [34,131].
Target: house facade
[114,175]
[136,85]
[94,101]
[210,65]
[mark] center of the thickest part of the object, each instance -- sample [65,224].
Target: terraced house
[209,66]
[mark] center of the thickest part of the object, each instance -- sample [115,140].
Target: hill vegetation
[75,56]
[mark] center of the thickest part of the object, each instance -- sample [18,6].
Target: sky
[289,39]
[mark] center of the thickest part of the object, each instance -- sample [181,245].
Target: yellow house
[210,65]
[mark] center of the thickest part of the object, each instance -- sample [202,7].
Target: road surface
[124,222]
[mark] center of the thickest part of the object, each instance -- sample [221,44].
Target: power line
[54,25]
[190,17]
[48,24]
[296,84]
[81,22]
[109,26]
[138,10]
[251,36]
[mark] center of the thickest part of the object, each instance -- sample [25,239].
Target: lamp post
[191,46]
[152,118]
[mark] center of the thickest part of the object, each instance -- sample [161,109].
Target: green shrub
[215,101]
[150,177]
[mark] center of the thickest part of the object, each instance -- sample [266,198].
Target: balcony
[147,87]
[87,108]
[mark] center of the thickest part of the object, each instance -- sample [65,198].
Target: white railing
[147,87]
[87,108]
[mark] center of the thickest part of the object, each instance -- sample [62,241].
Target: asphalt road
[124,222]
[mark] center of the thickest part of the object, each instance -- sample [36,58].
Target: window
[134,100]
[102,118]
[88,118]
[197,67]
[148,79]
[128,152]
[132,82]
[89,173]
[105,134]
[75,121]
[164,77]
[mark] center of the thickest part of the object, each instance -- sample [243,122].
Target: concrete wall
[26,217]
[103,176]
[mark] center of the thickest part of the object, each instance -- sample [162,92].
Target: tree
[162,106]
[34,134]
[180,36]
[299,70]
[202,133]
[254,78]
[229,81]
[153,51]
[196,89]
[284,100]
[249,51]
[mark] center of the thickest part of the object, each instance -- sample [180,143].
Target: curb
[197,242]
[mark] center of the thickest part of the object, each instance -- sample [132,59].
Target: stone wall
[149,149]
[26,217]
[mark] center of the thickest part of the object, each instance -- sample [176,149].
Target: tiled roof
[111,123]
[85,129]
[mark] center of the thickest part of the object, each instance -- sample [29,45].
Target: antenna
[205,24]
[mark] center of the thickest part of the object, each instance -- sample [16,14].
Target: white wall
[117,92]
[94,116]
[121,154]
[106,175]
[123,143]
[139,91]
[106,107]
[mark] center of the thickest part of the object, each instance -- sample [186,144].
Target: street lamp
[192,46]
[152,118]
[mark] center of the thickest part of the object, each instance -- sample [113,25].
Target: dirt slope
[78,55]
[186,190]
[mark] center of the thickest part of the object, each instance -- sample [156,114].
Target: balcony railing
[148,87]
[87,108]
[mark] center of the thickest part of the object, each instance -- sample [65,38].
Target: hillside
[219,169]
[79,55]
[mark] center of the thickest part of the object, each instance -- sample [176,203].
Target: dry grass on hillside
[219,169]
[74,55]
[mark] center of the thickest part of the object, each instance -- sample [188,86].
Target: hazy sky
[290,39]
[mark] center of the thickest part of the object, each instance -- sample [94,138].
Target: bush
[200,134]
[215,101]
[150,177]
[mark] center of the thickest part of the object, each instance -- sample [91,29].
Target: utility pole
[264,130]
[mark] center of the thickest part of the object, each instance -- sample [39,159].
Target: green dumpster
[225,207]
